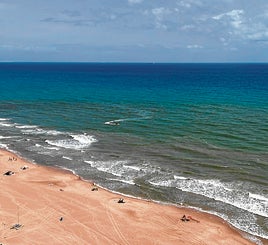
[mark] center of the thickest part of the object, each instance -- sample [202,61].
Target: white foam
[47,148]
[7,137]
[4,119]
[25,126]
[89,162]
[84,138]
[112,167]
[219,191]
[77,142]
[259,197]
[5,124]
[5,146]
[37,131]
[117,121]
[130,182]
[132,167]
[52,148]
[68,158]
[179,177]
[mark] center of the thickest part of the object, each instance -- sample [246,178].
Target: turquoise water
[180,133]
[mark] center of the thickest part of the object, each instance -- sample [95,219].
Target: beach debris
[16,226]
[8,173]
[121,200]
[61,218]
[24,167]
[94,189]
[61,190]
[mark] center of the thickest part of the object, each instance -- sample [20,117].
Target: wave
[259,197]
[6,124]
[112,167]
[4,146]
[117,168]
[26,126]
[47,148]
[180,177]
[88,162]
[28,129]
[117,121]
[230,193]
[76,142]
[130,182]
[44,150]
[68,158]
[132,167]
[84,138]
[37,131]
[7,137]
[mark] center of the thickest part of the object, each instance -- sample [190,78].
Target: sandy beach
[43,205]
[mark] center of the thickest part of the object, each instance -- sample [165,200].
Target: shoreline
[56,206]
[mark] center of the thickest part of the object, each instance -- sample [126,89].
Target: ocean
[185,134]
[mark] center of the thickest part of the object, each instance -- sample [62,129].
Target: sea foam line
[219,191]
[26,126]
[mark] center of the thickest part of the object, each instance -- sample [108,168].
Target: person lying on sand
[188,218]
[191,218]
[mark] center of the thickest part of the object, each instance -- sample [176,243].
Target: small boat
[112,123]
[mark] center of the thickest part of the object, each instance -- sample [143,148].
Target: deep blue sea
[190,134]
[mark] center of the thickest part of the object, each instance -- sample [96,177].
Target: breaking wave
[230,193]
[76,142]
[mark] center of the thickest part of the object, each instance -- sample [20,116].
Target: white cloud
[260,33]
[235,16]
[245,28]
[187,27]
[184,4]
[160,14]
[134,1]
[194,46]
[20,47]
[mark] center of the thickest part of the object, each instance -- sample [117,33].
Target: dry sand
[56,207]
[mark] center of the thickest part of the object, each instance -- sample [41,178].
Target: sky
[134,30]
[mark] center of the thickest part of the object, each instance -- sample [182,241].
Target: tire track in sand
[115,224]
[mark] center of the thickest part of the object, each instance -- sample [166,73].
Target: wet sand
[53,206]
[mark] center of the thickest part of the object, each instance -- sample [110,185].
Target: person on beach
[121,200]
[191,218]
[188,218]
[184,218]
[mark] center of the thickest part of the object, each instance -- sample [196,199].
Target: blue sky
[134,30]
